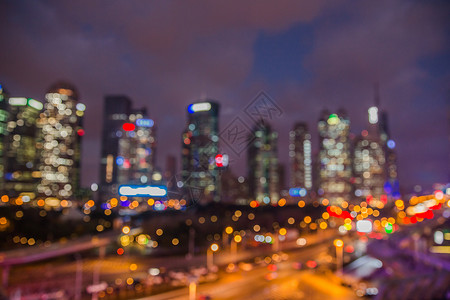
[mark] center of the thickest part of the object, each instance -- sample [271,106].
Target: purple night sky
[308,55]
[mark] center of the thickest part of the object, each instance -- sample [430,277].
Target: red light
[383,198]
[120,251]
[128,126]
[272,267]
[126,164]
[80,132]
[187,141]
[364,133]
[349,249]
[219,160]
[311,264]
[254,204]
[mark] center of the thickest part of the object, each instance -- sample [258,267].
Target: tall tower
[60,143]
[263,177]
[380,127]
[21,176]
[116,110]
[300,156]
[335,157]
[200,147]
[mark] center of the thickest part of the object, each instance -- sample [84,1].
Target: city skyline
[302,76]
[224,150]
[242,169]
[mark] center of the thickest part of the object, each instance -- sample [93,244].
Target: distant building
[60,135]
[379,135]
[369,166]
[135,160]
[263,178]
[200,146]
[335,157]
[3,133]
[22,156]
[234,189]
[300,156]
[128,146]
[170,173]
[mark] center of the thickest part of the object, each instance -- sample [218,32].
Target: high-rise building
[128,146]
[335,157]
[200,146]
[300,156]
[263,179]
[136,152]
[21,175]
[61,130]
[3,133]
[379,127]
[369,166]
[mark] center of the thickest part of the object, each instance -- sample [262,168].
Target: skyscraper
[135,159]
[199,149]
[263,178]
[335,157]
[60,143]
[379,127]
[21,176]
[369,166]
[300,156]
[128,146]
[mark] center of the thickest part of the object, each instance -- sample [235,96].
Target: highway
[289,284]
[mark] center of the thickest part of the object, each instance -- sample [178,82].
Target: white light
[439,237]
[268,239]
[203,106]
[147,190]
[81,107]
[156,177]
[35,104]
[364,226]
[94,187]
[373,115]
[153,271]
[19,101]
[145,122]
[301,241]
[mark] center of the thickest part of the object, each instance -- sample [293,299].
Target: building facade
[61,131]
[300,156]
[263,177]
[335,156]
[22,156]
[200,146]
[128,146]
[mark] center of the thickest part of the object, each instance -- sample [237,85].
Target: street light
[209,255]
[237,239]
[226,232]
[339,244]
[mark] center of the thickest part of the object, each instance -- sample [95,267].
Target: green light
[333,119]
[388,228]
